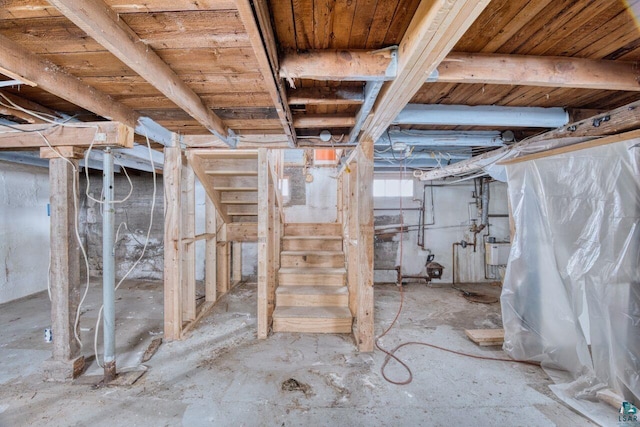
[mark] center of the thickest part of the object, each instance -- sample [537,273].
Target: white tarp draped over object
[573,277]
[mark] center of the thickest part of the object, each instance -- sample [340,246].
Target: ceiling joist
[101,23]
[54,80]
[346,65]
[267,62]
[434,30]
[326,96]
[551,71]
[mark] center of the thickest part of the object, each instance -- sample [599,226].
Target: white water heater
[497,253]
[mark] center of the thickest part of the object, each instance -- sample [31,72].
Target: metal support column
[108,269]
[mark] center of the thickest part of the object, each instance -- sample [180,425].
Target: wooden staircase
[312,295]
[230,178]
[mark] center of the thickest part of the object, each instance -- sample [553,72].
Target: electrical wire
[391,354]
[78,239]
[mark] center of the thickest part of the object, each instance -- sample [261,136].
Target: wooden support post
[223,258]
[263,243]
[172,247]
[66,361]
[353,268]
[236,257]
[274,243]
[210,275]
[189,250]
[364,336]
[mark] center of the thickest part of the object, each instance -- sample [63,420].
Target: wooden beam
[172,247]
[326,96]
[264,246]
[210,276]
[323,121]
[67,152]
[102,23]
[365,308]
[100,134]
[223,261]
[546,71]
[54,80]
[349,65]
[351,238]
[188,205]
[65,267]
[259,36]
[7,109]
[597,142]
[435,28]
[244,141]
[236,263]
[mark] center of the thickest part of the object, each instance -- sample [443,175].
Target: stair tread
[313,290]
[324,312]
[312,237]
[313,270]
[311,252]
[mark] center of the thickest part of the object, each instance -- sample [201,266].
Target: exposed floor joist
[433,32]
[552,71]
[346,65]
[53,79]
[258,39]
[101,23]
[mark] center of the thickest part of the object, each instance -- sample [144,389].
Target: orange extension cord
[391,354]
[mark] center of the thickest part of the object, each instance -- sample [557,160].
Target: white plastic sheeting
[573,275]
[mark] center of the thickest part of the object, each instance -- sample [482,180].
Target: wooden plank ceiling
[207,45]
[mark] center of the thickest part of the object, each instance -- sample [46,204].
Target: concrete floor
[222,375]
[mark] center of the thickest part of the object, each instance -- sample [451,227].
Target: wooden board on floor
[486,337]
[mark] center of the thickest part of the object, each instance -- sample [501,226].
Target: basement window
[392,188]
[284,188]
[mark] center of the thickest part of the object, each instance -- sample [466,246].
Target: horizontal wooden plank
[312,296]
[225,154]
[239,198]
[242,232]
[538,71]
[323,121]
[200,83]
[296,276]
[102,134]
[181,61]
[313,229]
[67,152]
[243,210]
[349,65]
[193,29]
[325,96]
[19,9]
[312,319]
[485,336]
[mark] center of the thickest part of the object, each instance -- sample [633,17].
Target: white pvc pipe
[483,115]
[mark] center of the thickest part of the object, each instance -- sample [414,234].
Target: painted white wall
[452,214]
[24,230]
[321,198]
